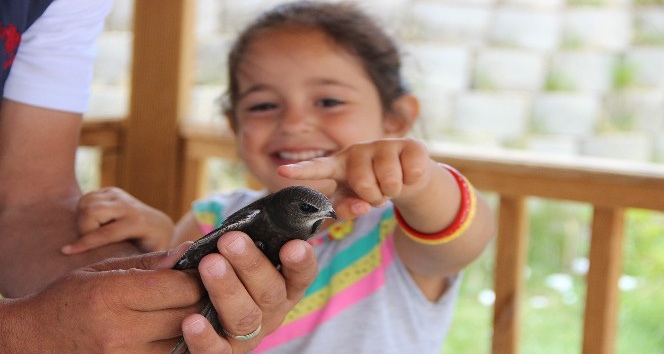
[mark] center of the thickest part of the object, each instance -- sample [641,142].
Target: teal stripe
[350,255]
[210,206]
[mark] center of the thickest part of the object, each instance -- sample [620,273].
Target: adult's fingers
[299,267]
[150,290]
[148,261]
[201,338]
[140,285]
[153,326]
[234,288]
[262,280]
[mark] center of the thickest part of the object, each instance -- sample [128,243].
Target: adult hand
[139,304]
[124,305]
[248,291]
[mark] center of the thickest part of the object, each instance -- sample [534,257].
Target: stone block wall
[575,77]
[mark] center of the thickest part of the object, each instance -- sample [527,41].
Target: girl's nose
[294,120]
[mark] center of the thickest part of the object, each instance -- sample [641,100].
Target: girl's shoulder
[215,208]
[226,203]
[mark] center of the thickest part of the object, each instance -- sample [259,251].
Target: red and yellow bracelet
[461,222]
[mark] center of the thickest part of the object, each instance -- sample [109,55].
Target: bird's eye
[308,208]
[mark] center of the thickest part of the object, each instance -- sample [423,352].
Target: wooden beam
[511,251]
[160,95]
[597,181]
[102,133]
[606,256]
[106,135]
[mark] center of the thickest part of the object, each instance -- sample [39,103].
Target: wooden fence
[155,158]
[609,188]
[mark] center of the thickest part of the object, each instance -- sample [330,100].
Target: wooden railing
[163,163]
[609,187]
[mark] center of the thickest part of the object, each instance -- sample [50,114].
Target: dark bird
[292,213]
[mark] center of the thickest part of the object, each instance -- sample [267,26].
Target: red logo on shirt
[12,38]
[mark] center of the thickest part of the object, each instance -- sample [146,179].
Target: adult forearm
[31,237]
[8,327]
[18,330]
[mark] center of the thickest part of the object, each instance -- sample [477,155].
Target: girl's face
[302,96]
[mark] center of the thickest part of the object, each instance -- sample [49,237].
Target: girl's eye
[329,102]
[262,107]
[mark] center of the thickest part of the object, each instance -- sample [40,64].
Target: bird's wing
[241,218]
[208,243]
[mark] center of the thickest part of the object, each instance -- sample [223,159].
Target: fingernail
[238,246]
[180,249]
[360,208]
[217,269]
[196,327]
[297,254]
[66,249]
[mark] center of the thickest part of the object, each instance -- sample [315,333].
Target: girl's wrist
[463,219]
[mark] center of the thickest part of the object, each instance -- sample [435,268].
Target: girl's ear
[402,116]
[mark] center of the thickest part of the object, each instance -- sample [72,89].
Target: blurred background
[556,78]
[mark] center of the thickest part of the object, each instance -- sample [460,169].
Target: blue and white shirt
[47,51]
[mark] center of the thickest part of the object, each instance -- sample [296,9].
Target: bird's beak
[331,214]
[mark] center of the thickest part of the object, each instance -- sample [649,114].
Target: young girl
[316,98]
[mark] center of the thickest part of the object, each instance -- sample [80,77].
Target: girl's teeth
[301,155]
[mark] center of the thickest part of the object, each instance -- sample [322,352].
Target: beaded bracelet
[461,222]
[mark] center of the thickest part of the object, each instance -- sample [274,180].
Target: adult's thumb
[147,261]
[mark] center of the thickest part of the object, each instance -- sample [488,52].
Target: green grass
[558,236]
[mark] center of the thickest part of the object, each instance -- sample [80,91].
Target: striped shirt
[363,299]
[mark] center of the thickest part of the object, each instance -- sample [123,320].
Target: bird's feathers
[292,213]
[208,243]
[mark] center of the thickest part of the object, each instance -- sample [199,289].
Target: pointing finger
[316,169]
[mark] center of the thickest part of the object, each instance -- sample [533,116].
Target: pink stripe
[343,300]
[206,228]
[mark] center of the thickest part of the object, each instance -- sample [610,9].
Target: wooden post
[160,95]
[606,246]
[199,146]
[511,251]
[195,177]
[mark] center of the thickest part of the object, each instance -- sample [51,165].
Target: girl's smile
[302,96]
[290,157]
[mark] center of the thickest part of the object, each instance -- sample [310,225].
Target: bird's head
[302,210]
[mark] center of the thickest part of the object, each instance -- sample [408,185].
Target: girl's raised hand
[109,215]
[368,174]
